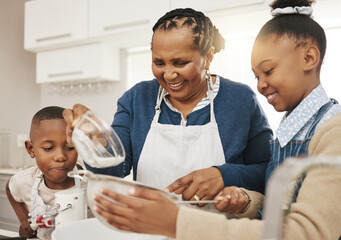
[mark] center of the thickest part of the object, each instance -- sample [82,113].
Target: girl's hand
[149,212]
[232,200]
[202,184]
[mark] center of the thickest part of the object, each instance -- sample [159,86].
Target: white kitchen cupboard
[92,62]
[214,5]
[8,219]
[54,23]
[128,22]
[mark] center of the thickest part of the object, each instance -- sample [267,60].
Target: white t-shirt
[21,185]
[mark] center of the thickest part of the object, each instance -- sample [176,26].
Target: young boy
[32,190]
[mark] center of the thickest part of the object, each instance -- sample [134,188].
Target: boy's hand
[22,213]
[25,230]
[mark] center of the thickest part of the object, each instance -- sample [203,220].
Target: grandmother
[187,129]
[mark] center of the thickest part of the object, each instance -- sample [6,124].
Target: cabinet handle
[129,24]
[53,37]
[53,75]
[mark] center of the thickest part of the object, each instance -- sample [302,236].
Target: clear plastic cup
[96,142]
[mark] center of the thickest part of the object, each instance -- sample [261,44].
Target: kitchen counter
[8,233]
[10,171]
[12,234]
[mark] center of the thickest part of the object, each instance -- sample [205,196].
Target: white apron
[172,151]
[39,208]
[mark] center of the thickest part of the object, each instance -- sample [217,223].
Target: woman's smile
[175,86]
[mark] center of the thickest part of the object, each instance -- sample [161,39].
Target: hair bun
[304,10]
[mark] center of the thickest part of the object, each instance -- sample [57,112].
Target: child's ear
[311,57]
[29,148]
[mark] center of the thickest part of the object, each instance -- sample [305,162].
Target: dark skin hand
[204,183]
[72,117]
[26,231]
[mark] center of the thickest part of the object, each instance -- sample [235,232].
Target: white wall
[18,92]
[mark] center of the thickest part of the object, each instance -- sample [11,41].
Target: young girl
[32,190]
[286,59]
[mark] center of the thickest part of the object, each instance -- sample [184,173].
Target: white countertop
[12,234]
[8,233]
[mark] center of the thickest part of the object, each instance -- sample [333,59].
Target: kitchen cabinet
[8,219]
[129,22]
[97,61]
[214,5]
[54,23]
[81,39]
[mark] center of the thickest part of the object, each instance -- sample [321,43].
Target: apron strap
[77,180]
[324,109]
[210,97]
[159,98]
[38,207]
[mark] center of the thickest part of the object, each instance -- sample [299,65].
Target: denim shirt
[297,123]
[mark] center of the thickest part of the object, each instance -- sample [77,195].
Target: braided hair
[296,26]
[205,33]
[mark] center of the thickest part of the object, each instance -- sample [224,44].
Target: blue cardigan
[242,124]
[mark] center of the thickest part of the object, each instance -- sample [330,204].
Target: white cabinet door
[118,17]
[96,61]
[213,5]
[54,23]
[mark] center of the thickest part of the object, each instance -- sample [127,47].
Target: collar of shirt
[203,103]
[291,124]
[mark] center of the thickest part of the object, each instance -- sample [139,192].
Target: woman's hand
[72,117]
[232,200]
[202,184]
[149,212]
